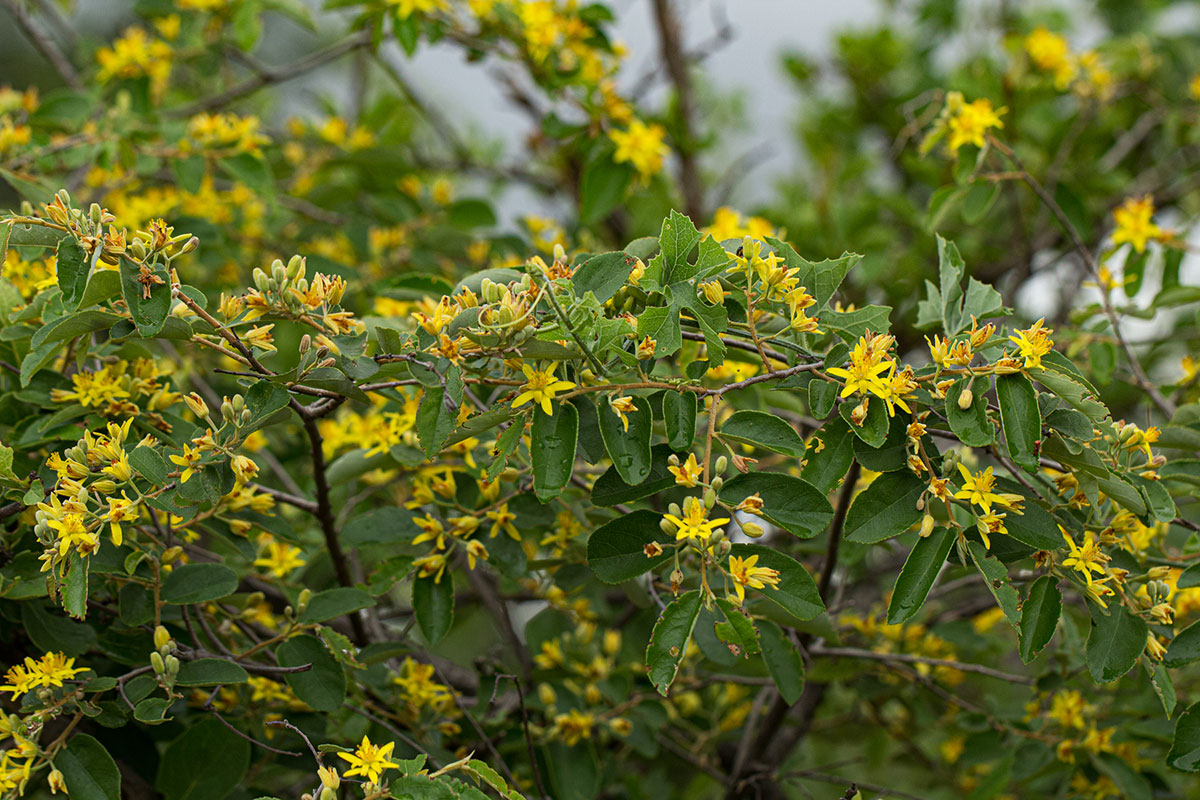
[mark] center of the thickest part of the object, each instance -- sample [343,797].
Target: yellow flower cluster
[1086,72]
[134,55]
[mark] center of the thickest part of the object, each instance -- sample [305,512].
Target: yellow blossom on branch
[540,387]
[745,574]
[370,760]
[642,146]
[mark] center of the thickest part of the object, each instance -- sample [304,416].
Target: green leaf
[825,468]
[1034,526]
[207,762]
[1020,418]
[669,641]
[886,508]
[1189,578]
[920,570]
[1185,748]
[1116,641]
[874,428]
[1184,648]
[783,661]
[149,463]
[380,526]
[75,586]
[190,172]
[797,592]
[433,603]
[1039,617]
[737,631]
[791,503]
[679,416]
[438,412]
[609,490]
[628,449]
[995,575]
[552,443]
[822,395]
[764,430]
[337,602]
[822,278]
[1164,688]
[852,325]
[1069,388]
[152,710]
[603,274]
[149,302]
[324,686]
[676,240]
[210,672]
[72,266]
[890,456]
[198,583]
[971,425]
[615,550]
[602,189]
[88,770]
[101,286]
[264,399]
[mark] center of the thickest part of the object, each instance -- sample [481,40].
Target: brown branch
[44,44]
[266,76]
[674,58]
[906,658]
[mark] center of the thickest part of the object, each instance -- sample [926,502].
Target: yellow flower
[640,145]
[280,559]
[540,387]
[622,406]
[1194,87]
[688,473]
[1134,224]
[978,490]
[1034,342]
[988,524]
[120,509]
[369,760]
[746,574]
[1051,53]
[502,520]
[695,523]
[188,462]
[1086,559]
[969,122]
[866,367]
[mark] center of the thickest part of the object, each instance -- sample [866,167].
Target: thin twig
[44,44]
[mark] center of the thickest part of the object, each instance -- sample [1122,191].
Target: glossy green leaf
[971,425]
[72,266]
[1020,418]
[552,444]
[874,428]
[763,430]
[433,603]
[336,602]
[207,762]
[198,583]
[1039,617]
[886,508]
[737,631]
[628,449]
[679,416]
[1116,640]
[830,451]
[995,576]
[324,686]
[1185,747]
[669,641]
[616,550]
[210,672]
[1184,649]
[791,503]
[783,661]
[925,561]
[88,770]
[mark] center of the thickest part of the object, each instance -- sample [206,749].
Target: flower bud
[674,510]
[926,526]
[965,399]
[105,486]
[171,554]
[710,498]
[717,483]
[196,403]
[721,465]
[673,460]
[172,664]
[227,412]
[666,527]
[753,529]
[305,343]
[546,694]
[302,600]
[162,637]
[156,661]
[190,245]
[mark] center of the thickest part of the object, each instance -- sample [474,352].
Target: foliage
[611,505]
